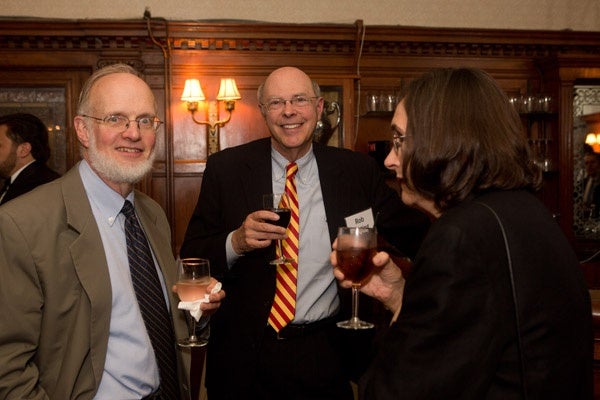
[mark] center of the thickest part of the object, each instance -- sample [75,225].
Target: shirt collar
[279,163]
[108,202]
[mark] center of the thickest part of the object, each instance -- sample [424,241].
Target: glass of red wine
[355,250]
[279,203]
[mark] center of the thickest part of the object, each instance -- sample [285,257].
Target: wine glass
[279,203]
[192,279]
[355,250]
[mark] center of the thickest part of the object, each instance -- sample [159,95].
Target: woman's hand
[385,284]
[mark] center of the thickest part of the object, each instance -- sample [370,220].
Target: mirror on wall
[48,104]
[586,171]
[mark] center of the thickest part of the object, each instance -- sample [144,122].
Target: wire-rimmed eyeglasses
[277,104]
[119,123]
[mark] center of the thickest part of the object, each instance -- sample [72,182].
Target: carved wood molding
[42,35]
[479,42]
[138,65]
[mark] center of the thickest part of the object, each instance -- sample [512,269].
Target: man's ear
[82,131]
[320,107]
[23,149]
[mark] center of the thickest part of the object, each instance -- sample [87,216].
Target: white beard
[112,170]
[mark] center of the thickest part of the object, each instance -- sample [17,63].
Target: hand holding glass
[279,204]
[355,250]
[193,278]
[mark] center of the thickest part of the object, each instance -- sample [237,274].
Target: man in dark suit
[247,357]
[24,151]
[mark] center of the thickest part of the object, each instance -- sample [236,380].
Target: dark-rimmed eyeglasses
[297,102]
[119,123]
[397,141]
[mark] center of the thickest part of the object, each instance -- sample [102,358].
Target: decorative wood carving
[342,40]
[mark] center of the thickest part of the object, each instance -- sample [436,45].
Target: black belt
[156,395]
[292,331]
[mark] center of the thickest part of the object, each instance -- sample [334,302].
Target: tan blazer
[55,292]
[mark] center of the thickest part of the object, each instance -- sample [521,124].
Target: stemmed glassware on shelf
[192,281]
[278,203]
[355,250]
[536,109]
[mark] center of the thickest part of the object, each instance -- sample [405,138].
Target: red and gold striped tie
[284,304]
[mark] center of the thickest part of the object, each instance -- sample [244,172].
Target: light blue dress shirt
[130,370]
[316,292]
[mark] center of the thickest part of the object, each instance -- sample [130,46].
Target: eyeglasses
[120,124]
[297,102]
[397,141]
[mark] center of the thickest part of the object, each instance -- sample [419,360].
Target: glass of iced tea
[355,250]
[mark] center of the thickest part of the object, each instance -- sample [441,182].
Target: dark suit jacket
[455,335]
[33,175]
[56,292]
[232,187]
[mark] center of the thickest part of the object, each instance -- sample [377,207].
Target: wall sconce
[593,139]
[228,93]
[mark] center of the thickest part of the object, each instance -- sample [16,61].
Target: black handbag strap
[515,302]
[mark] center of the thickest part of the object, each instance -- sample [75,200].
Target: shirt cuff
[232,256]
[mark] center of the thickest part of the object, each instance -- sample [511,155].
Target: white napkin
[194,306]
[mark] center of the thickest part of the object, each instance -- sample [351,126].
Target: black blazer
[455,335]
[33,175]
[232,187]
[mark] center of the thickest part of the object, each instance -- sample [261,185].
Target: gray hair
[83,106]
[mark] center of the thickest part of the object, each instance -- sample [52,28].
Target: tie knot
[128,210]
[290,170]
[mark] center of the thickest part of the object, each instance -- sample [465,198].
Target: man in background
[24,151]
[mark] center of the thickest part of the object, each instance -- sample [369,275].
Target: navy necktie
[151,300]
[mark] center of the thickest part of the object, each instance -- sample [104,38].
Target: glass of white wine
[192,279]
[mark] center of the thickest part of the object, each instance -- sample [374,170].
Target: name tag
[362,219]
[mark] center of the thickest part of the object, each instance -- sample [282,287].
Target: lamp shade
[591,139]
[228,90]
[192,91]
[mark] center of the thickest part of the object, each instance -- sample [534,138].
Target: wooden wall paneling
[187,187]
[331,53]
